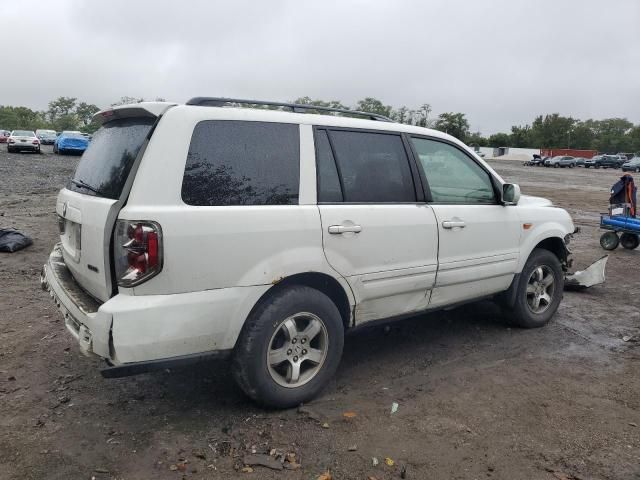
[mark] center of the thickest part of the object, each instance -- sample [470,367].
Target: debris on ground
[628,338]
[394,407]
[633,424]
[403,472]
[325,425]
[262,460]
[325,476]
[349,414]
[374,461]
[389,462]
[312,414]
[12,240]
[247,470]
[352,448]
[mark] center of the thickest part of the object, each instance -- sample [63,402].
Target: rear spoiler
[142,109]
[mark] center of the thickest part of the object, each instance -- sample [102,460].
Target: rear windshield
[22,133]
[105,165]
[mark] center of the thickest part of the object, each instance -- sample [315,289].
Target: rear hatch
[89,205]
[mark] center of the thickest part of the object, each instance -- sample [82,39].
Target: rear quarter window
[242,163]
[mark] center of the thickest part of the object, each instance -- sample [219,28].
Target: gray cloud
[501,62]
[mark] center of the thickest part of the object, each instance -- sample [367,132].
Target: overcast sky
[501,62]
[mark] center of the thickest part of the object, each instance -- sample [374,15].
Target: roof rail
[295,107]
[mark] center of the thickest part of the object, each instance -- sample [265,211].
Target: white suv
[207,230]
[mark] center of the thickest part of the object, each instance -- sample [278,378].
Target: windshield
[45,132]
[73,135]
[23,133]
[105,165]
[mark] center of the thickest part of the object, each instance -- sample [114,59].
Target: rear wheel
[540,290]
[289,348]
[571,165]
[629,241]
[609,240]
[557,165]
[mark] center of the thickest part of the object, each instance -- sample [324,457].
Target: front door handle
[453,224]
[339,229]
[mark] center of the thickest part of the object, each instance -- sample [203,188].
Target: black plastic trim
[295,107]
[136,368]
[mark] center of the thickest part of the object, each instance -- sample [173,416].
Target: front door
[378,232]
[479,237]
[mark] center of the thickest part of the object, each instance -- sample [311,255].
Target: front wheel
[557,165]
[540,290]
[609,240]
[289,348]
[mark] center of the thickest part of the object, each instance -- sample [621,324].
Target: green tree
[499,140]
[85,112]
[373,105]
[552,131]
[520,136]
[61,106]
[613,135]
[476,139]
[454,124]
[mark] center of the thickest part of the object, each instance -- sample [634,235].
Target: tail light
[138,251]
[36,142]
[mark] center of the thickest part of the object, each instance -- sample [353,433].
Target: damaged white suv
[206,230]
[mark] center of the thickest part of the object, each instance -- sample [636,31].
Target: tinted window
[453,177]
[328,182]
[105,165]
[373,166]
[242,163]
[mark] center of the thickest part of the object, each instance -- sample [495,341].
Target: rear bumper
[147,332]
[23,146]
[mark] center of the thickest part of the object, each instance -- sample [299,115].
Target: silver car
[20,140]
[560,161]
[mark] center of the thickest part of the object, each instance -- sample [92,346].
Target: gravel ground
[476,399]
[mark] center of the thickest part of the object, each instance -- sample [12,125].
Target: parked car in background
[536,161]
[560,161]
[4,135]
[195,231]
[21,140]
[627,156]
[580,161]
[70,142]
[611,161]
[47,137]
[632,165]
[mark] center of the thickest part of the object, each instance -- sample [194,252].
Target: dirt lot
[476,398]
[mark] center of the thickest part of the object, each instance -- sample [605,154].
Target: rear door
[88,206]
[378,232]
[479,237]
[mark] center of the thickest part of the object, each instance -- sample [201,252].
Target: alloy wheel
[297,350]
[540,289]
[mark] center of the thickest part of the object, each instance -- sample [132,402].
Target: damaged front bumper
[594,274]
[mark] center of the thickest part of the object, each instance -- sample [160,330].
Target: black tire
[9,150]
[629,241]
[597,166]
[609,240]
[250,364]
[557,165]
[522,314]
[572,165]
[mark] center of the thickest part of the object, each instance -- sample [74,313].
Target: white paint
[218,261]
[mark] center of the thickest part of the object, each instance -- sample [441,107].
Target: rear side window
[105,165]
[372,167]
[242,163]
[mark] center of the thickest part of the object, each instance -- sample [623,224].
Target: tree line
[610,135]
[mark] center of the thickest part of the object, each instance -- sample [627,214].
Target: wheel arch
[339,292]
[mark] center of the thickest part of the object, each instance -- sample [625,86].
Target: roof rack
[295,107]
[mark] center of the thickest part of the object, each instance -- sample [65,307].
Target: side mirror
[510,194]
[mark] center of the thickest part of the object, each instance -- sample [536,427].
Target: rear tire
[272,361]
[629,241]
[539,290]
[609,240]
[557,165]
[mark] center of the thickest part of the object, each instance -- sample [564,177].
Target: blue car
[70,142]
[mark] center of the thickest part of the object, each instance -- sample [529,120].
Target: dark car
[611,161]
[47,137]
[632,165]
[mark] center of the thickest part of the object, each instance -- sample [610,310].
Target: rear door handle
[453,224]
[339,229]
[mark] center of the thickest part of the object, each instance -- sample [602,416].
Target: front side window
[372,167]
[242,163]
[453,177]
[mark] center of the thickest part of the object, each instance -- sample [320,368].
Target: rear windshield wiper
[84,184]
